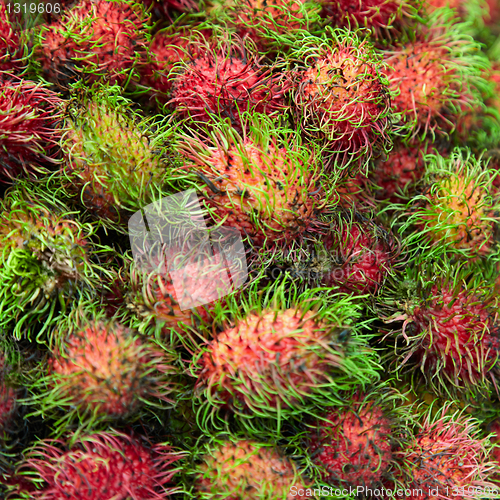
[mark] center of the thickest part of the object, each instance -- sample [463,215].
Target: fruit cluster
[333,333]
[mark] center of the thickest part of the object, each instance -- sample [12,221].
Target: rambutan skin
[380,16]
[101,466]
[10,40]
[362,254]
[29,138]
[270,194]
[240,470]
[353,445]
[341,98]
[106,369]
[95,40]
[250,364]
[226,79]
[457,338]
[448,459]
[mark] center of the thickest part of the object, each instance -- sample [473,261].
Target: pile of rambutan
[250,249]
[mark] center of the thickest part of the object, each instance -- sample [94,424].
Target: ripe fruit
[265,21]
[276,357]
[448,459]
[457,210]
[45,260]
[11,41]
[101,369]
[433,79]
[94,40]
[104,466]
[243,469]
[260,183]
[167,48]
[396,175]
[340,97]
[450,334]
[224,80]
[28,136]
[378,16]
[361,254]
[114,159]
[353,444]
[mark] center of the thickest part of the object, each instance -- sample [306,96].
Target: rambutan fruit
[7,404]
[162,9]
[11,40]
[354,193]
[278,353]
[29,138]
[457,211]
[340,96]
[265,21]
[434,78]
[362,253]
[101,466]
[448,459]
[225,78]
[168,47]
[354,444]
[101,370]
[45,260]
[94,40]
[240,469]
[263,183]
[396,175]
[115,160]
[355,255]
[378,16]
[450,334]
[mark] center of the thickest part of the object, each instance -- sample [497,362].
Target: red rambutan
[379,16]
[101,466]
[341,98]
[28,137]
[448,460]
[11,42]
[247,470]
[103,369]
[167,48]
[451,333]
[94,40]
[433,78]
[225,80]
[276,358]
[353,445]
[362,254]
[266,187]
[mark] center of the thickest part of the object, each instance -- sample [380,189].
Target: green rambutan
[225,78]
[29,114]
[434,77]
[93,40]
[457,211]
[340,96]
[46,260]
[247,470]
[115,160]
[99,369]
[378,16]
[450,335]
[448,459]
[101,466]
[263,183]
[355,444]
[278,352]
